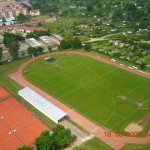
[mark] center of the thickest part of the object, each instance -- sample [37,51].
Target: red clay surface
[114,142]
[13,116]
[3,94]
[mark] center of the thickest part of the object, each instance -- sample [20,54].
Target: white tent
[44,106]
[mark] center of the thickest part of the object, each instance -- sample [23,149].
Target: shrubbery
[58,138]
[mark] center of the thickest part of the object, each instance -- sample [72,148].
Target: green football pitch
[109,96]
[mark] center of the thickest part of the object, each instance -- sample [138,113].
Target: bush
[59,138]
[87,46]
[32,51]
[64,44]
[143,66]
[76,43]
[25,148]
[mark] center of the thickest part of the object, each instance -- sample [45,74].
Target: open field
[39,17]
[94,144]
[61,24]
[105,94]
[136,147]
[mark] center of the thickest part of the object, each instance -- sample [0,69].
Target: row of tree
[12,42]
[21,18]
[58,138]
[74,43]
[37,34]
[33,51]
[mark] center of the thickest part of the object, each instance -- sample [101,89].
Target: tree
[76,43]
[39,24]
[14,48]
[32,51]
[10,37]
[44,142]
[89,6]
[3,20]
[40,49]
[1,53]
[22,18]
[61,136]
[49,49]
[11,41]
[25,148]
[143,66]
[68,36]
[87,46]
[36,34]
[64,44]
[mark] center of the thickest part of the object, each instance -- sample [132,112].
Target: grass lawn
[105,94]
[83,38]
[39,17]
[61,24]
[97,144]
[136,147]
[94,144]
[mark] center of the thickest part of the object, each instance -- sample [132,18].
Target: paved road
[81,136]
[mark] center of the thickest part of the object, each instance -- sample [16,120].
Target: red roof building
[5,28]
[10,9]
[29,29]
[35,12]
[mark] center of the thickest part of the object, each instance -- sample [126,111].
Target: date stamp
[120,134]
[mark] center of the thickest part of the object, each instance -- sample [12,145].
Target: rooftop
[32,42]
[35,11]
[42,104]
[30,28]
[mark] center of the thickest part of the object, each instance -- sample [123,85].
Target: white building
[44,106]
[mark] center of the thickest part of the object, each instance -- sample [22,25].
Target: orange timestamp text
[120,134]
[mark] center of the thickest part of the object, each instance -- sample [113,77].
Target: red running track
[114,142]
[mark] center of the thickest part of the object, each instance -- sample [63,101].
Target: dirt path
[101,38]
[113,141]
[146,42]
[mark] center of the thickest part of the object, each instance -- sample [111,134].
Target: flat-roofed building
[58,37]
[33,43]
[43,105]
[48,40]
[28,29]
[5,28]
